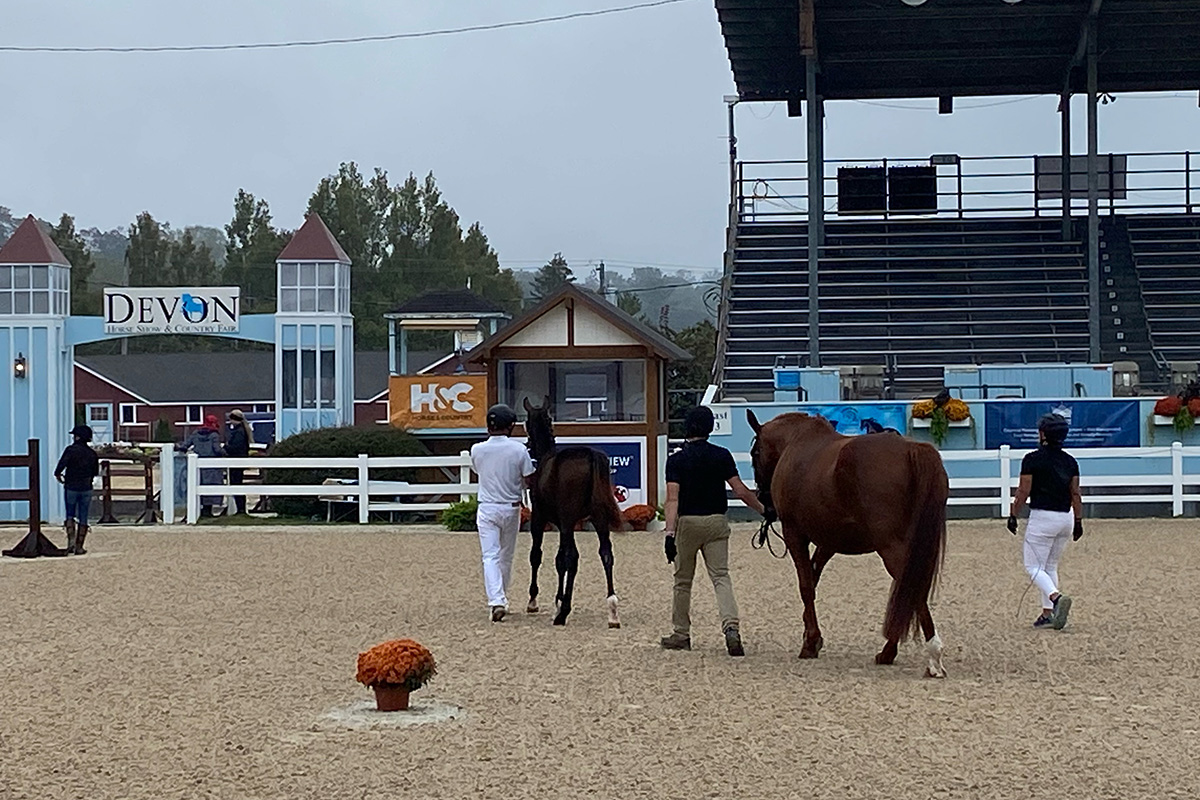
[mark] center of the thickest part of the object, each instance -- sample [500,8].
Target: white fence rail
[361,489]
[1165,472]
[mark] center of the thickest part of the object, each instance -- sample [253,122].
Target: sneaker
[733,642]
[676,641]
[1043,622]
[498,613]
[1062,607]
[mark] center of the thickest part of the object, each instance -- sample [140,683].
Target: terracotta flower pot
[390,697]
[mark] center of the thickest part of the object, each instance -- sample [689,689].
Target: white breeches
[498,526]
[1046,537]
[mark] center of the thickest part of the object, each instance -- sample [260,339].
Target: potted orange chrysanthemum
[393,669]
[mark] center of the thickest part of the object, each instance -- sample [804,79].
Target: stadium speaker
[862,190]
[912,190]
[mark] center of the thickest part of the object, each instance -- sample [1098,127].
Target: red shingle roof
[29,244]
[313,242]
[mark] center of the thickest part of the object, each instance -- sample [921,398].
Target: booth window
[128,413]
[195,415]
[37,289]
[579,391]
[309,376]
[309,287]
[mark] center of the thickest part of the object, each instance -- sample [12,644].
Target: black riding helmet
[500,417]
[1054,427]
[82,432]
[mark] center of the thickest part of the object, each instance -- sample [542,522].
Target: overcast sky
[599,137]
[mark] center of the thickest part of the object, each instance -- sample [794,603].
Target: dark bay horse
[857,494]
[571,484]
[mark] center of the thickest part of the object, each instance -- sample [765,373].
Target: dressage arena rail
[1149,474]
[359,489]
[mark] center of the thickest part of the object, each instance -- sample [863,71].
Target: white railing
[360,489]
[1165,472]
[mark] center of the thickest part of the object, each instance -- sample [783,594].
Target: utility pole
[603,283]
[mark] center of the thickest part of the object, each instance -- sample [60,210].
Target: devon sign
[162,309]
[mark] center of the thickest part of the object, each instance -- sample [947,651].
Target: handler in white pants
[1050,482]
[503,465]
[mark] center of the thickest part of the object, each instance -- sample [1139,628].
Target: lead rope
[762,538]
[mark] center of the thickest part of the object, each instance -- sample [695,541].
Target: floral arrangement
[941,411]
[399,662]
[639,516]
[1183,414]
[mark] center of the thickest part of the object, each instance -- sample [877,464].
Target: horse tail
[929,489]
[603,504]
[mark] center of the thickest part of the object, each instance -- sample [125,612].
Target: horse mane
[540,431]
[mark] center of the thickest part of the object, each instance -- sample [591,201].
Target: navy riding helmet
[1054,427]
[500,417]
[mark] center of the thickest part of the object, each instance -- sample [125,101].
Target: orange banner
[437,401]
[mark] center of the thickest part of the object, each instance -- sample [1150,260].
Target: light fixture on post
[19,368]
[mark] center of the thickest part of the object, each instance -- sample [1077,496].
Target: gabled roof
[658,344]
[449,304]
[29,244]
[313,242]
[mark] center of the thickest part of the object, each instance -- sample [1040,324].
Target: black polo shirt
[701,469]
[1052,470]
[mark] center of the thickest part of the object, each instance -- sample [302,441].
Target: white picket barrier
[1165,471]
[360,489]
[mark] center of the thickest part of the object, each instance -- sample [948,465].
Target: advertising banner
[432,401]
[851,419]
[164,309]
[626,458]
[1094,423]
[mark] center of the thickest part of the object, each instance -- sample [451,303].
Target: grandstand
[946,260]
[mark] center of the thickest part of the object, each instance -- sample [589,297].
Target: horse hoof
[614,625]
[560,618]
[532,608]
[929,673]
[808,653]
[885,659]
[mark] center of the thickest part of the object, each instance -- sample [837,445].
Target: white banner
[165,309]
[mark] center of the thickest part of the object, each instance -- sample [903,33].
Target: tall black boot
[72,537]
[81,535]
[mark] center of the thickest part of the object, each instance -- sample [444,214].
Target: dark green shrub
[162,430]
[461,515]
[345,442]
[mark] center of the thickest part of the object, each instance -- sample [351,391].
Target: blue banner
[851,419]
[1094,423]
[626,461]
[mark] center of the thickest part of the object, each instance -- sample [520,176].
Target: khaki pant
[710,536]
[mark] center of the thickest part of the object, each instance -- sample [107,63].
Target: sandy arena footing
[218,662]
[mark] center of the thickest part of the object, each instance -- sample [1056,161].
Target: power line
[387,37]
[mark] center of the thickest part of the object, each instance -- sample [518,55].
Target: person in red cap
[206,443]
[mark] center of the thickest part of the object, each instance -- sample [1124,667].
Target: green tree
[629,303]
[84,300]
[190,262]
[252,246]
[149,252]
[404,240]
[551,277]
[701,341]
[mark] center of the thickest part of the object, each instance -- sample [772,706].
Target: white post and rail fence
[368,493]
[1112,476]
[1129,476]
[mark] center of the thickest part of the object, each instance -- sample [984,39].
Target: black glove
[770,514]
[1078,532]
[1012,524]
[669,548]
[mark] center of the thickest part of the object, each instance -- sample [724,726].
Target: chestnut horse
[571,484]
[857,494]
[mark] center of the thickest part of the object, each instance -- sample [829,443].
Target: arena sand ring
[362,715]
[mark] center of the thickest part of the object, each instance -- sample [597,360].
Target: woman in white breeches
[1050,482]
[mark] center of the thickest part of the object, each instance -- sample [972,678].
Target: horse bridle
[762,537]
